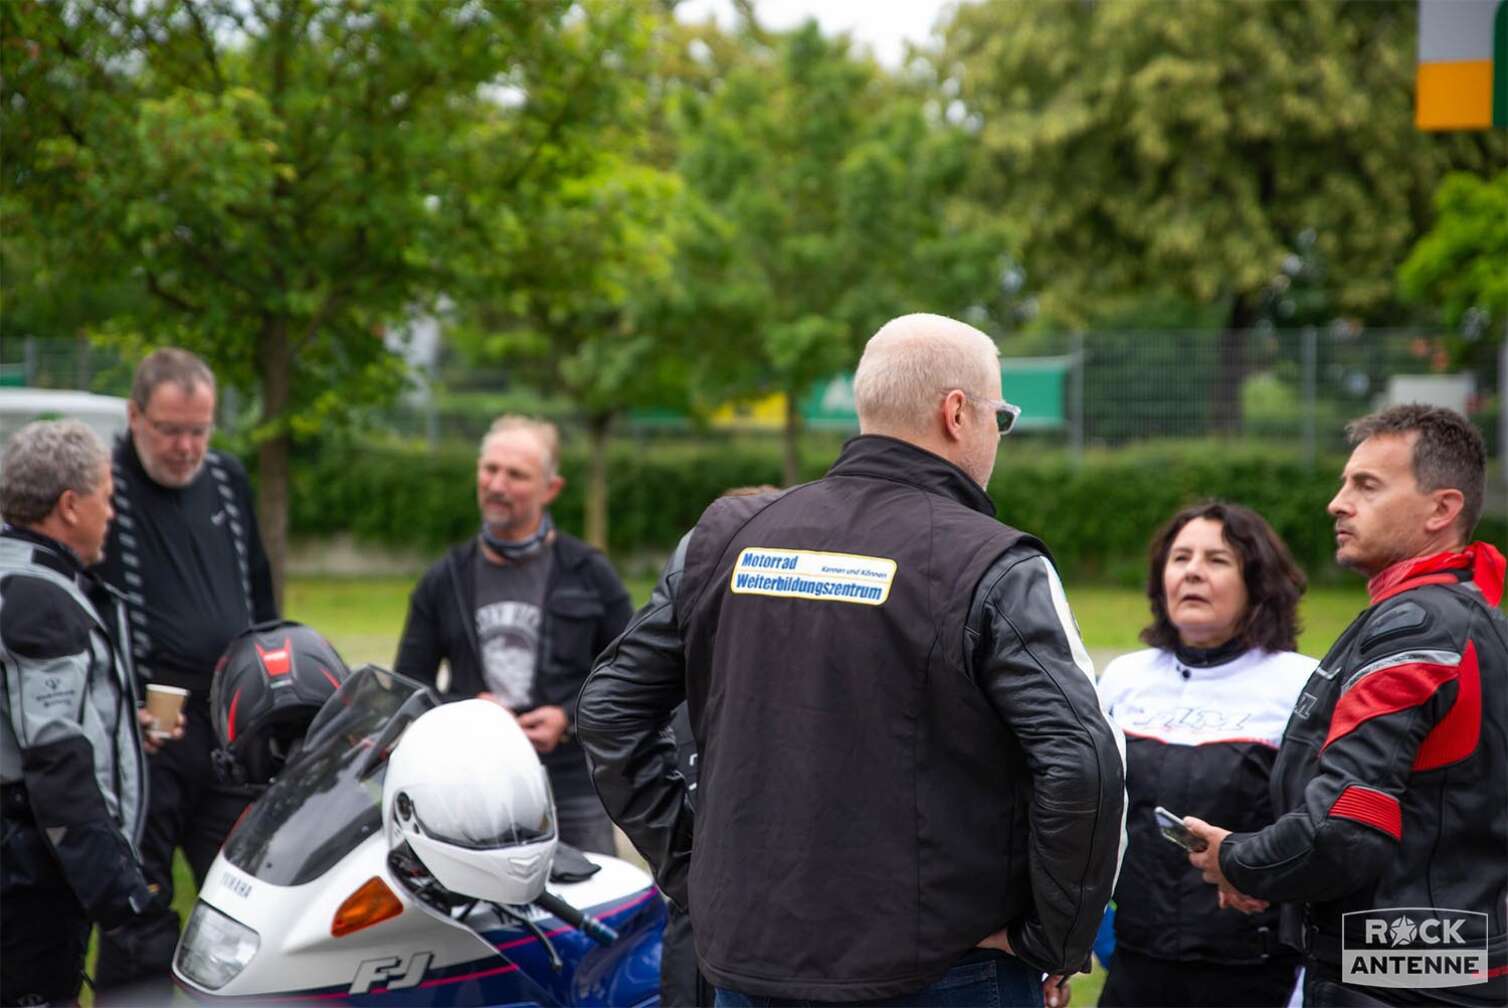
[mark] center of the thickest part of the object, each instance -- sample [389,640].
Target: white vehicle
[20,406]
[314,898]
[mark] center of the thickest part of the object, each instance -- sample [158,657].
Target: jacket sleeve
[47,682]
[264,604]
[616,611]
[623,721]
[1408,676]
[1029,660]
[419,650]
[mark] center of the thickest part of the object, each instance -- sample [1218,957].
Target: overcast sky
[883,25]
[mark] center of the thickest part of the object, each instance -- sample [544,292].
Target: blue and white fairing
[262,929]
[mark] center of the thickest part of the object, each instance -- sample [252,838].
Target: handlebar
[583,922]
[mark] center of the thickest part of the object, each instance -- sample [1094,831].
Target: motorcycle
[306,901]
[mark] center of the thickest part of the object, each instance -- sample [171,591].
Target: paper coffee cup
[164,704]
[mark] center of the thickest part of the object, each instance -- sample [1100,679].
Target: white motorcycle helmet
[465,790]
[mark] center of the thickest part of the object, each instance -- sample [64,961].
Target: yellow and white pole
[1463,65]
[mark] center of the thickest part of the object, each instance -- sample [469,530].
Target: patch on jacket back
[812,575]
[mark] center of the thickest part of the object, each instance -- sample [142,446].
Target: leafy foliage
[287,180]
[1202,140]
[828,190]
[1461,265]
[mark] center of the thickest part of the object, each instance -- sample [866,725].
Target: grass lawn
[364,618]
[1110,618]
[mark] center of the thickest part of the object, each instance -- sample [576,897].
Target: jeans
[584,824]
[982,979]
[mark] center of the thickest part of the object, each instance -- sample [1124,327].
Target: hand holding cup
[162,719]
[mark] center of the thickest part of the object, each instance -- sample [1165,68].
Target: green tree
[1461,265]
[285,179]
[828,186]
[571,309]
[576,319]
[1142,146]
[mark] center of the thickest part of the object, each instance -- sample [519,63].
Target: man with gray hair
[186,556]
[908,791]
[518,612]
[71,763]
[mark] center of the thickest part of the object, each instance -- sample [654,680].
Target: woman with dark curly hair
[1203,710]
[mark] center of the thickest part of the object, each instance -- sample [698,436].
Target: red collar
[1485,564]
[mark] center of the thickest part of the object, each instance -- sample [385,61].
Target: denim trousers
[584,824]
[982,979]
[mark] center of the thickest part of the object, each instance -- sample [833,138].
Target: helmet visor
[512,813]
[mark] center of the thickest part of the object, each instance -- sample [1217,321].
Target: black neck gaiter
[517,551]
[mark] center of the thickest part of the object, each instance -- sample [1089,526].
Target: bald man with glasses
[907,791]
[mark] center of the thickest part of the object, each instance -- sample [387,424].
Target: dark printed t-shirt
[509,598]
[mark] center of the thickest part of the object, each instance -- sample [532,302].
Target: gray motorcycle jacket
[68,731]
[900,747]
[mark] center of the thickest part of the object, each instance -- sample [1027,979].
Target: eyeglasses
[1006,414]
[173,431]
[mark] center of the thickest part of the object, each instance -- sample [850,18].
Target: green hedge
[1099,516]
[1096,516]
[405,495]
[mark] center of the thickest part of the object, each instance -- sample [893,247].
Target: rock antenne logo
[1402,930]
[1414,947]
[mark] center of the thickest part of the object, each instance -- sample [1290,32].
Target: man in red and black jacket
[1394,766]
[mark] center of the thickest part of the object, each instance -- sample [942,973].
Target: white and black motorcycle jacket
[1202,732]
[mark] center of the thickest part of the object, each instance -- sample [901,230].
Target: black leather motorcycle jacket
[901,748]
[1393,771]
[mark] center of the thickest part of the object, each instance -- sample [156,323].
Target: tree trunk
[792,474]
[597,427]
[276,366]
[1230,369]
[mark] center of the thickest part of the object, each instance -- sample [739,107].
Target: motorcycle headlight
[214,948]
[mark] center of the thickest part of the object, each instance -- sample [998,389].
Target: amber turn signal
[373,903]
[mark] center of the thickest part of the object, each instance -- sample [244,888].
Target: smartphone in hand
[1172,828]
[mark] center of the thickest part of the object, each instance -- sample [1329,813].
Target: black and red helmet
[271,681]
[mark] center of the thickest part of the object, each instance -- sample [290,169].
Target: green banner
[1036,384]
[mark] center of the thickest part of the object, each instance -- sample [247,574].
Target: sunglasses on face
[1006,414]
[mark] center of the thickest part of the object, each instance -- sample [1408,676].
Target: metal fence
[1297,387]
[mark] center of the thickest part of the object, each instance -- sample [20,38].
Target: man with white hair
[71,764]
[908,792]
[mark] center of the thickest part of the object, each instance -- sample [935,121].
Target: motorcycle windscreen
[328,798]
